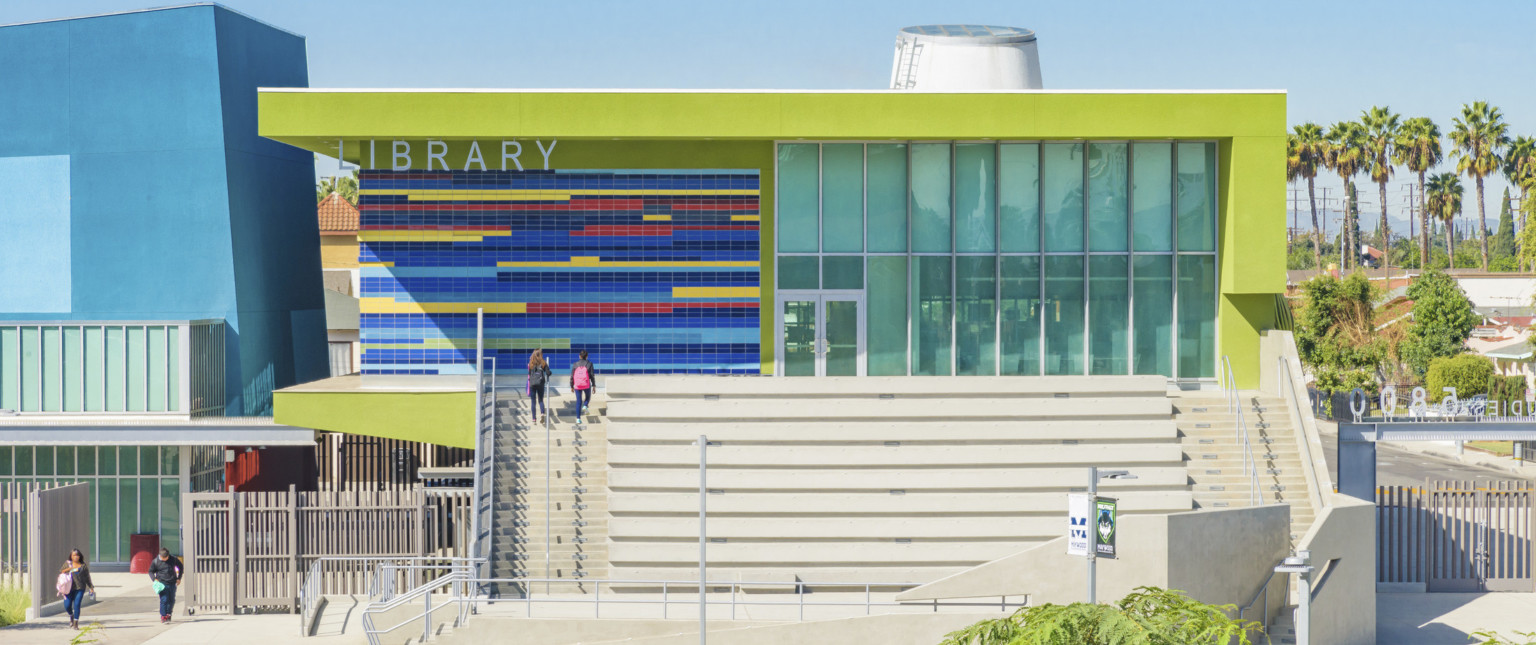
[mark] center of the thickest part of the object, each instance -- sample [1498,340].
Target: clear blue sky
[1334,58]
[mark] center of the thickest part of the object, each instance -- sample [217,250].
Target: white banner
[1079,518]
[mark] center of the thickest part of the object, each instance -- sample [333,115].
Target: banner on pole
[1106,521]
[1079,518]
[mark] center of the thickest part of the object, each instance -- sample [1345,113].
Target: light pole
[1301,563]
[1094,475]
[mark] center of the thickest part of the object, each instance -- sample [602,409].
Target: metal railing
[484,504]
[1263,594]
[377,582]
[456,583]
[1234,406]
[458,586]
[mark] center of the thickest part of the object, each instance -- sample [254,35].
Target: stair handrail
[1250,467]
[458,579]
[1263,592]
[484,516]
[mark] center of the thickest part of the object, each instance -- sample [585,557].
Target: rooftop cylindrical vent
[965,57]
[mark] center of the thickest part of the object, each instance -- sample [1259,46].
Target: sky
[1334,59]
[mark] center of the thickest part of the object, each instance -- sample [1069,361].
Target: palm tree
[1418,148]
[1381,128]
[1445,204]
[1306,149]
[346,185]
[1520,169]
[1346,156]
[1480,134]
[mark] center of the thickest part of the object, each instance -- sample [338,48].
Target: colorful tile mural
[650,271]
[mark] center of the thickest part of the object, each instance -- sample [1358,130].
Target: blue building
[159,261]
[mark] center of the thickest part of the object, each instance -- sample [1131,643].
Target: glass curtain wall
[1013,258]
[133,489]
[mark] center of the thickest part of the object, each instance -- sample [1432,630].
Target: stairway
[567,461]
[1213,454]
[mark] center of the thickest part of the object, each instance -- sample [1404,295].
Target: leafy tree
[1346,156]
[1302,255]
[1470,374]
[1147,616]
[1445,203]
[1503,244]
[1336,334]
[346,185]
[1306,150]
[1418,148]
[1520,168]
[1527,251]
[1382,127]
[1480,134]
[1442,321]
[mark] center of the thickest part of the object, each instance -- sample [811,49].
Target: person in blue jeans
[165,574]
[583,379]
[79,583]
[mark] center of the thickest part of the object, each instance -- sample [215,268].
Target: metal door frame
[820,297]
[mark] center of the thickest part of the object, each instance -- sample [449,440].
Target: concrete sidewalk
[128,612]
[1444,618]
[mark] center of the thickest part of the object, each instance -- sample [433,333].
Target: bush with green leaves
[1495,638]
[1442,321]
[1336,335]
[1470,374]
[1506,389]
[1146,616]
[14,602]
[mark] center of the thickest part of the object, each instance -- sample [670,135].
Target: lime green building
[805,233]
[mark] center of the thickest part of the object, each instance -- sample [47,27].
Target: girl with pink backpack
[583,377]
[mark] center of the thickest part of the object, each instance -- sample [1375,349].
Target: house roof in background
[1519,350]
[337,215]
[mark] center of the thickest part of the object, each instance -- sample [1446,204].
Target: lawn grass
[14,602]
[1500,448]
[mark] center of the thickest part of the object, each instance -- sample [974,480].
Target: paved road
[1398,467]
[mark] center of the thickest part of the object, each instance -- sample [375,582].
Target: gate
[1455,536]
[249,551]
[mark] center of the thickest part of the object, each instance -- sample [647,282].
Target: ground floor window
[1012,258]
[134,489]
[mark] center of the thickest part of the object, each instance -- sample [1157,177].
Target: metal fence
[13,533]
[1457,536]
[250,551]
[58,518]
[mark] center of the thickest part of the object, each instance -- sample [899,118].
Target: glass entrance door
[821,333]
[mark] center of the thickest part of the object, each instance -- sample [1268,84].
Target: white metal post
[1304,604]
[703,496]
[1093,544]
[474,516]
[548,488]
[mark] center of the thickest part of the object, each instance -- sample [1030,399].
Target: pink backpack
[64,584]
[581,378]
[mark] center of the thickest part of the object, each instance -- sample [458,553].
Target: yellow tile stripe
[715,292]
[658,218]
[376,264]
[745,218]
[390,306]
[525,193]
[628,265]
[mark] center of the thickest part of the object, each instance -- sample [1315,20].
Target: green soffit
[316,119]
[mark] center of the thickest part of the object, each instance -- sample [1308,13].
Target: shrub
[1468,373]
[14,602]
[1506,389]
[1147,616]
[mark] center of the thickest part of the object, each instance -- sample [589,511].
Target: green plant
[1506,389]
[1470,374]
[1336,334]
[1306,150]
[1382,128]
[1146,616]
[14,602]
[1480,134]
[1442,320]
[1418,148]
[1494,638]
[1346,155]
[1444,203]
